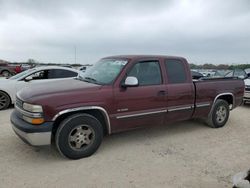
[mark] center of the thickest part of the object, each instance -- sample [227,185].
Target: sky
[51,31]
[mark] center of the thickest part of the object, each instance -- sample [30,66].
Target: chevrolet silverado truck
[120,93]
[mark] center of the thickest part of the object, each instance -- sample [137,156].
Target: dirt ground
[186,154]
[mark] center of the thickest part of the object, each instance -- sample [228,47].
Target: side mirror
[28,78]
[131,81]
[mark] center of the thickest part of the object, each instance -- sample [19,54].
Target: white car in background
[9,87]
[247,90]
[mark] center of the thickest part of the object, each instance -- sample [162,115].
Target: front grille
[19,103]
[247,88]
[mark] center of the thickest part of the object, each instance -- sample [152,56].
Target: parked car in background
[208,73]
[83,68]
[6,70]
[220,73]
[120,93]
[25,67]
[9,87]
[239,73]
[247,90]
[196,75]
[247,70]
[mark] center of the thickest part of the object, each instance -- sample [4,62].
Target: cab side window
[176,72]
[147,73]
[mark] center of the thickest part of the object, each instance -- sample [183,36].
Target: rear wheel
[79,136]
[4,100]
[219,114]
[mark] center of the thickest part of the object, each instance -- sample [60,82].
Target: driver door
[144,104]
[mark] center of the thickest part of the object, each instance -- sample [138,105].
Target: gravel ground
[186,154]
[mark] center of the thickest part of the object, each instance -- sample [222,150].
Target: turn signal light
[35,121]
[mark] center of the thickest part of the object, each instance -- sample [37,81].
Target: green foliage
[240,66]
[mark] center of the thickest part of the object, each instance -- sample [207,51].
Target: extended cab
[120,93]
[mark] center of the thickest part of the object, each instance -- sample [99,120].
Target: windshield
[20,75]
[104,71]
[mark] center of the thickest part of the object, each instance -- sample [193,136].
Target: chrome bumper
[34,139]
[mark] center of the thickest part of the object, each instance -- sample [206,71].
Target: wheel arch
[229,97]
[96,111]
[7,95]
[4,70]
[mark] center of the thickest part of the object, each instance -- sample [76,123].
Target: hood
[247,82]
[56,88]
[4,81]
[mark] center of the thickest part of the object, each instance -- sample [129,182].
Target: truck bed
[209,89]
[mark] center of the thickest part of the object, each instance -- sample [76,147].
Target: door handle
[162,93]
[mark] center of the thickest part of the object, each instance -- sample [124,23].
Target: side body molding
[102,110]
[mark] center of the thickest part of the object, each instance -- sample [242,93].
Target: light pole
[75,54]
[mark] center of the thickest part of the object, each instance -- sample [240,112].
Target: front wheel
[79,136]
[219,114]
[4,100]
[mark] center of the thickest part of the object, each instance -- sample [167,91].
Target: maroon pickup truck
[120,93]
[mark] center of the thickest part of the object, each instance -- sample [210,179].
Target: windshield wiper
[92,79]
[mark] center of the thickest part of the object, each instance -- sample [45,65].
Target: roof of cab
[137,57]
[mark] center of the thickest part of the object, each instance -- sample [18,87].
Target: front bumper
[35,135]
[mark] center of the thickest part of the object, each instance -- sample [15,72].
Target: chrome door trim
[172,109]
[177,108]
[141,114]
[199,105]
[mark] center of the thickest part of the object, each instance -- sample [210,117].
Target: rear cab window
[176,72]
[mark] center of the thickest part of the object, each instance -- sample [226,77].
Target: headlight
[32,108]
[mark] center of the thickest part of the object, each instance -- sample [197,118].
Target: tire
[219,114]
[4,100]
[79,136]
[6,73]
